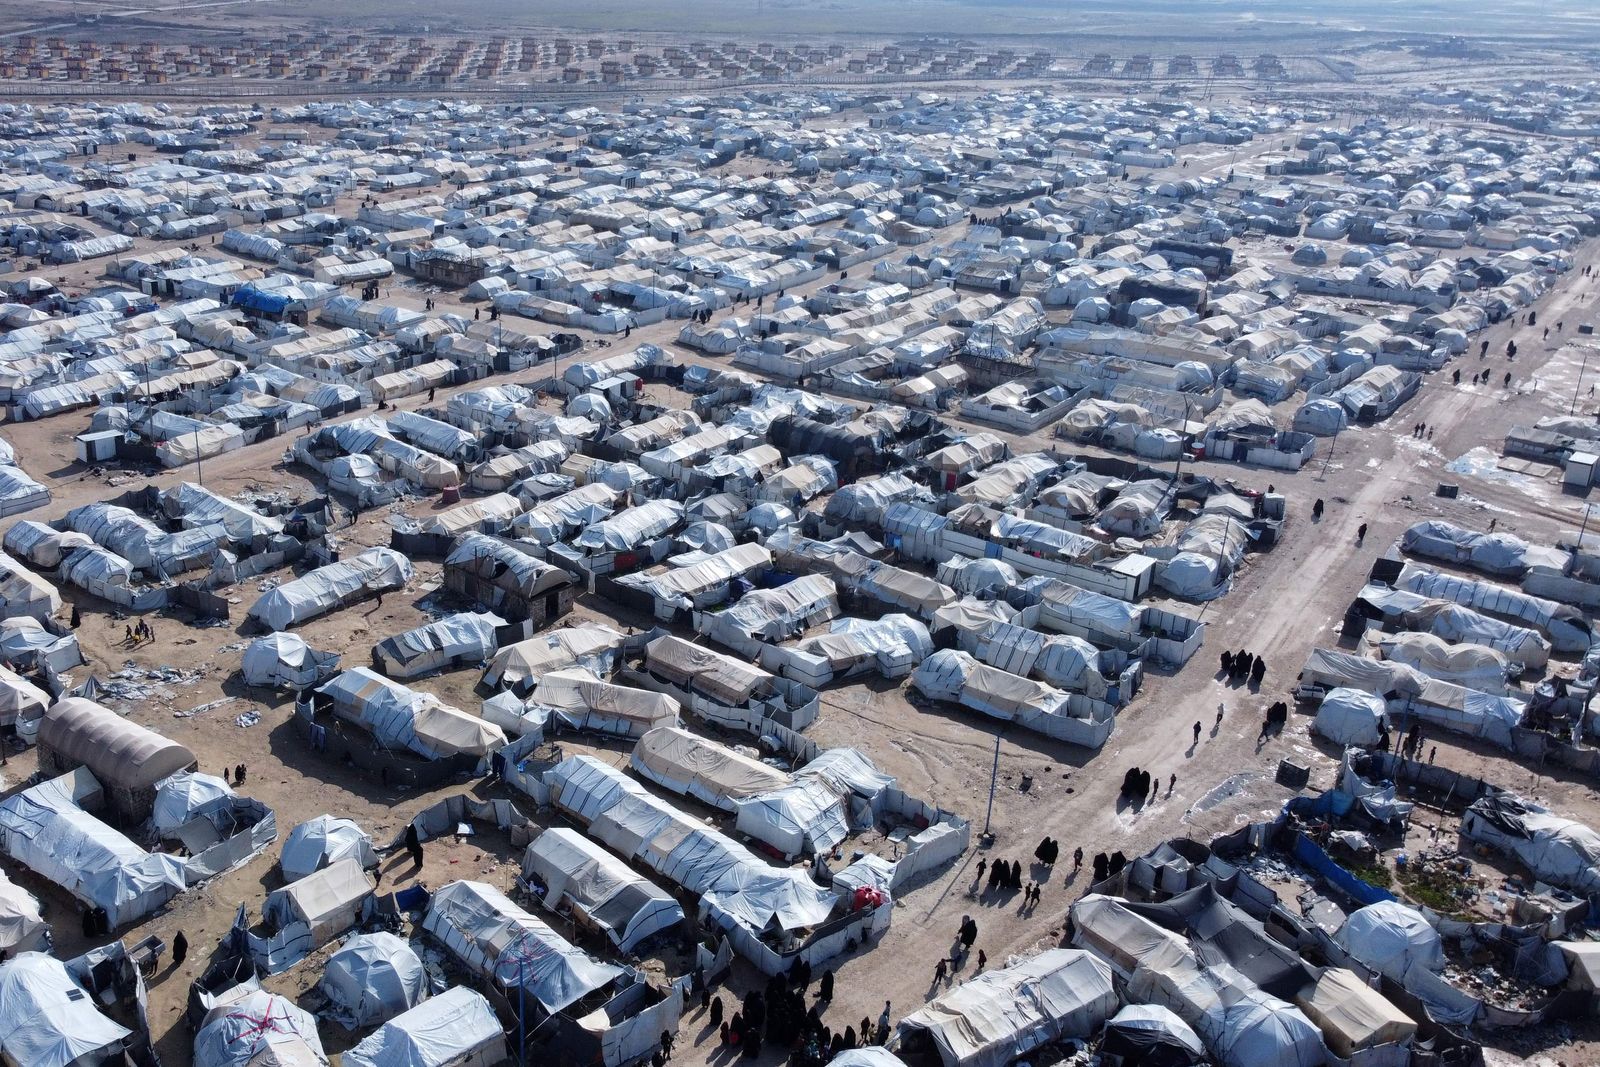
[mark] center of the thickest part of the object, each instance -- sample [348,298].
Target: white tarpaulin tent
[1351,717]
[283,660]
[328,902]
[22,928]
[465,637]
[991,1019]
[258,1029]
[1472,666]
[580,876]
[698,767]
[49,1020]
[1391,938]
[1562,852]
[322,841]
[373,977]
[584,703]
[20,699]
[377,570]
[589,645]
[498,939]
[45,829]
[457,1028]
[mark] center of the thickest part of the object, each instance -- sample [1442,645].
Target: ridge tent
[600,889]
[457,1028]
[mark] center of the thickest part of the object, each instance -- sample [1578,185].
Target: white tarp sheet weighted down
[1473,666]
[373,977]
[580,875]
[258,1029]
[22,928]
[1392,938]
[992,1019]
[377,570]
[698,767]
[321,842]
[1565,626]
[456,1027]
[1455,623]
[1496,553]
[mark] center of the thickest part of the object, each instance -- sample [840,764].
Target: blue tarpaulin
[1309,853]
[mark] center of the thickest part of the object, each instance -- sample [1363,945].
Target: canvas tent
[322,841]
[581,877]
[129,759]
[582,702]
[457,1028]
[254,1028]
[282,660]
[1151,1036]
[327,902]
[697,767]
[1391,938]
[992,1019]
[22,928]
[373,977]
[375,571]
[1351,1016]
[48,1020]
[1562,852]
[465,637]
[497,939]
[45,829]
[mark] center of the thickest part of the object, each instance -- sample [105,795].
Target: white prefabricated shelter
[583,879]
[457,1028]
[48,1020]
[992,1019]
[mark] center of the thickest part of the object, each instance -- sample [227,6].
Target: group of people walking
[1244,666]
[780,1015]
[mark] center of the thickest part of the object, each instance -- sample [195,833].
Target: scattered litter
[248,719]
[209,706]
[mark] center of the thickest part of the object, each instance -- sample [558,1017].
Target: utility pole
[1574,405]
[199,476]
[994,779]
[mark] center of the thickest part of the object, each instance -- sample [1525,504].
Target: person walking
[1077,858]
[1172,783]
[1316,510]
[982,866]
[1197,733]
[716,1011]
[180,949]
[982,959]
[414,845]
[825,987]
[1361,531]
[883,1024]
[941,970]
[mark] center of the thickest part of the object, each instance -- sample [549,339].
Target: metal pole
[994,777]
[199,476]
[522,1014]
[1574,405]
[1584,527]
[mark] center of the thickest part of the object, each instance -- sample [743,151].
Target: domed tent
[373,977]
[184,796]
[1351,717]
[1152,1036]
[258,1029]
[1264,1030]
[323,841]
[1391,938]
[284,660]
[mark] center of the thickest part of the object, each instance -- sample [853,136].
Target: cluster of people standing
[1277,715]
[1138,784]
[780,1015]
[1105,866]
[139,633]
[1244,666]
[1004,875]
[1409,747]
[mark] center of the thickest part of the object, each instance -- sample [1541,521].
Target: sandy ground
[1286,602]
